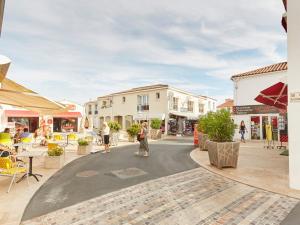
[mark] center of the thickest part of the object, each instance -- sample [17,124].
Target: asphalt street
[98,174]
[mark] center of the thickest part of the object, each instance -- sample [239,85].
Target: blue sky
[78,50]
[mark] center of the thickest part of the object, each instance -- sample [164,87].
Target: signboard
[295,96]
[254,109]
[71,107]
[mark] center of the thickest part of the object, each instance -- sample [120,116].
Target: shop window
[255,127]
[65,124]
[32,123]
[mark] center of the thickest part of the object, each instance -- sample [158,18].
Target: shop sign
[295,96]
[254,109]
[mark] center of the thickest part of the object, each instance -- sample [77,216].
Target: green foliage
[114,126]
[57,151]
[218,125]
[83,142]
[155,123]
[134,129]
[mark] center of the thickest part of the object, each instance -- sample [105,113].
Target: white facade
[246,89]
[294,87]
[146,103]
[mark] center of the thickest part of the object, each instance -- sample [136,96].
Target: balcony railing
[141,108]
[96,112]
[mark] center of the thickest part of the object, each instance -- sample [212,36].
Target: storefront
[22,119]
[66,122]
[256,117]
[178,124]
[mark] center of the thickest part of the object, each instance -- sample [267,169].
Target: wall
[294,86]
[244,95]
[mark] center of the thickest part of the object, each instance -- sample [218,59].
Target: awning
[284,21]
[68,115]
[4,64]
[20,113]
[275,95]
[15,94]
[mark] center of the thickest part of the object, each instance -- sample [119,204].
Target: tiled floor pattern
[192,197]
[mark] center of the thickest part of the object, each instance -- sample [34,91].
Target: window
[142,103]
[123,99]
[190,106]
[96,108]
[157,95]
[201,108]
[104,104]
[175,103]
[209,105]
[90,110]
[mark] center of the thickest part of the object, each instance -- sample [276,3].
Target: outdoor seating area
[257,166]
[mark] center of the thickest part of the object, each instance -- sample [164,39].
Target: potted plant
[133,132]
[114,129]
[202,136]
[222,150]
[155,132]
[84,146]
[54,158]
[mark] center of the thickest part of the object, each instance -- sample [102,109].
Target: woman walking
[106,131]
[242,131]
[143,140]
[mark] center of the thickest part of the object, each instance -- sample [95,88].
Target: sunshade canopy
[275,95]
[15,94]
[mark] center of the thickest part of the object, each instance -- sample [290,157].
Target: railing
[141,108]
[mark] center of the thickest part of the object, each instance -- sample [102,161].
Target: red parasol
[275,95]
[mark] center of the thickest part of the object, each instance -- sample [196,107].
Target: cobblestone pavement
[193,197]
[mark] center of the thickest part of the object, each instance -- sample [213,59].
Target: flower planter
[155,134]
[202,139]
[131,138]
[115,138]
[54,162]
[84,149]
[223,154]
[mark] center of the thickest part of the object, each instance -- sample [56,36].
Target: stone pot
[54,162]
[202,139]
[223,154]
[131,138]
[155,134]
[84,149]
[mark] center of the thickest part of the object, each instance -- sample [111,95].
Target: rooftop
[261,71]
[226,104]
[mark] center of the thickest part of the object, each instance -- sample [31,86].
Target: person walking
[243,129]
[143,140]
[106,131]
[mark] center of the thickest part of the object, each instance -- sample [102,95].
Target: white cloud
[97,47]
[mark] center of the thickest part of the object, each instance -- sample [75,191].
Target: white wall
[294,86]
[246,89]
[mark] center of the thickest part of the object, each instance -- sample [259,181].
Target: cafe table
[30,155]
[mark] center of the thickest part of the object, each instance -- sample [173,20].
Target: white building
[294,91]
[255,115]
[149,102]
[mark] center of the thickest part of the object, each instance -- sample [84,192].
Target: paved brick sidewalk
[192,197]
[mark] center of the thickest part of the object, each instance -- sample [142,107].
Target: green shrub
[155,124]
[57,151]
[114,126]
[218,125]
[134,129]
[83,142]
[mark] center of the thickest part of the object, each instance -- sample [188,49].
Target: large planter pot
[54,162]
[115,138]
[131,138]
[223,154]
[202,139]
[155,134]
[84,149]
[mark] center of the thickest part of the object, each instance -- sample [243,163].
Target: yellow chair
[5,139]
[57,137]
[72,137]
[10,169]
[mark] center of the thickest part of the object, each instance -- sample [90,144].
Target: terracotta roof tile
[226,104]
[268,69]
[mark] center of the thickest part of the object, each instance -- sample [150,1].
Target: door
[255,127]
